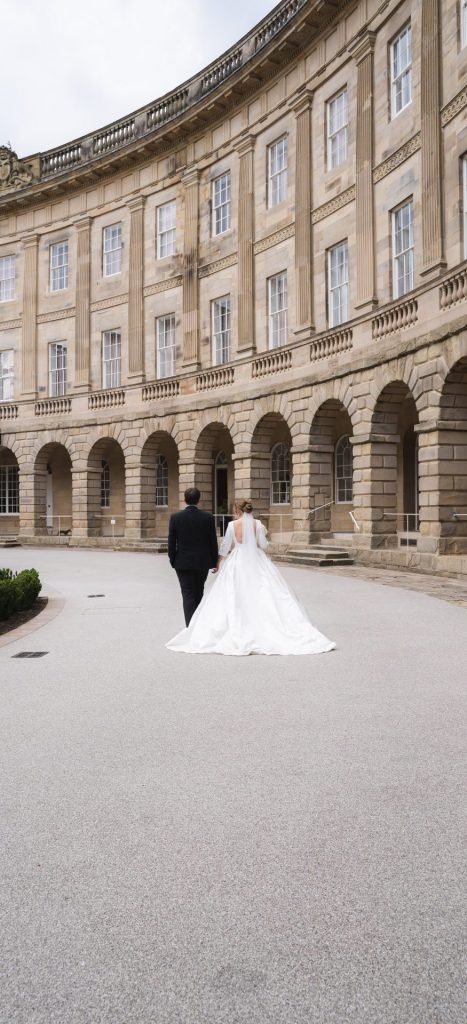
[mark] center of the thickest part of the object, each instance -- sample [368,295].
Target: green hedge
[18,591]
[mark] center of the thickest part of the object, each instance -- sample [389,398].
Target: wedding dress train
[249,608]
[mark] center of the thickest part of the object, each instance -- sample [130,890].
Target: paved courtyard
[230,841]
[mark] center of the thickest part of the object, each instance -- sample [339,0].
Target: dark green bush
[18,591]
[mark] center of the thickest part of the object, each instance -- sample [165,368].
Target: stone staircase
[9,542]
[320,554]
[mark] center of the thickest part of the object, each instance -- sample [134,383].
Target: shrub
[18,591]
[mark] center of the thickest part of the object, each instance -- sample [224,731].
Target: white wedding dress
[249,608]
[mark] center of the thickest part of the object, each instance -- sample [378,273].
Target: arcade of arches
[386,473]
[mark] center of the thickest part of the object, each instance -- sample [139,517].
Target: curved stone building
[256,284]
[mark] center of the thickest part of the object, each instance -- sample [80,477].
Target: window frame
[464,203]
[62,266]
[341,288]
[278,328]
[112,365]
[7,374]
[10,280]
[221,337]
[58,383]
[9,490]
[161,489]
[277,179]
[281,451]
[166,236]
[221,207]
[162,333]
[111,250]
[332,163]
[343,477]
[404,72]
[463,23]
[396,256]
[105,484]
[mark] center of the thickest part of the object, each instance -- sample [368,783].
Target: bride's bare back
[238,529]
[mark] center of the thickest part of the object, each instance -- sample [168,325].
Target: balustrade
[331,344]
[161,389]
[52,407]
[453,290]
[395,319]
[8,412]
[215,378]
[106,399]
[273,362]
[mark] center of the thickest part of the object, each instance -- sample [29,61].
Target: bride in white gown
[249,609]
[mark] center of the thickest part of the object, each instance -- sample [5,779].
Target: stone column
[79,481]
[301,466]
[83,298]
[27,511]
[242,474]
[432,188]
[374,489]
[135,292]
[190,272]
[246,258]
[442,460]
[366,291]
[301,106]
[133,494]
[29,342]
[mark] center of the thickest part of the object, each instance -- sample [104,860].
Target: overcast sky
[68,69]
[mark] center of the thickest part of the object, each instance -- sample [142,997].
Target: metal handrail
[459,515]
[319,507]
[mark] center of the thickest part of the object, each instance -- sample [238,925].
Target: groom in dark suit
[192,550]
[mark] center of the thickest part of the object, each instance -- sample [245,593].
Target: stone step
[317,554]
[322,552]
[9,542]
[317,560]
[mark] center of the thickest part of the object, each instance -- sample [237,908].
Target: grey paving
[231,841]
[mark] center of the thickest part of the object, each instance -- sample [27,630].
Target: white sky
[67,69]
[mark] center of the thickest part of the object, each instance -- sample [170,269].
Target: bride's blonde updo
[243,505]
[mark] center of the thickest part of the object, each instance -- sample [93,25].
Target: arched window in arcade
[280,475]
[105,484]
[9,490]
[343,470]
[162,481]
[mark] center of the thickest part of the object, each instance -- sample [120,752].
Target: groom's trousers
[192,588]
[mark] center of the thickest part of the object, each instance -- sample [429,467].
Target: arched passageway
[394,465]
[331,469]
[452,462]
[9,493]
[106,489]
[159,484]
[214,472]
[271,474]
[53,506]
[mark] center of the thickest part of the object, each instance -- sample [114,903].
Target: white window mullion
[278,310]
[337,129]
[277,172]
[166,230]
[6,375]
[166,350]
[221,204]
[57,369]
[9,490]
[59,266]
[111,359]
[401,71]
[221,330]
[7,278]
[463,23]
[403,250]
[338,284]
[112,250]
[464,201]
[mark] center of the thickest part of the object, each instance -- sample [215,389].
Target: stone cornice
[11,325]
[56,314]
[163,286]
[213,268]
[334,204]
[397,158]
[454,107]
[274,239]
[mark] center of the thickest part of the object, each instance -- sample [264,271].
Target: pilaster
[29,343]
[432,190]
[190,271]
[135,292]
[366,291]
[83,297]
[301,106]
[246,264]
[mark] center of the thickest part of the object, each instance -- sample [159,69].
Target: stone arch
[452,458]
[9,491]
[275,509]
[394,463]
[213,477]
[159,483]
[106,507]
[331,423]
[402,371]
[53,503]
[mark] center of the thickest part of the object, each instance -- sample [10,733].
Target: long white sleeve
[261,538]
[226,542]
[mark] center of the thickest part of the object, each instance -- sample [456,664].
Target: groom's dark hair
[192,496]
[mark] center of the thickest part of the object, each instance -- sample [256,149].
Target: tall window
[166,230]
[7,278]
[464,201]
[112,250]
[337,129]
[59,266]
[220,312]
[463,23]
[9,490]
[221,204]
[277,310]
[6,375]
[280,475]
[344,470]
[162,481]
[166,345]
[57,369]
[277,172]
[401,71]
[403,250]
[105,484]
[111,359]
[338,284]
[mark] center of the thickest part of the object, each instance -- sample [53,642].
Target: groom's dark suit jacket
[192,540]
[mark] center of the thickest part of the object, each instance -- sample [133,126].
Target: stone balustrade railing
[167,109]
[52,407]
[216,378]
[272,362]
[114,136]
[107,399]
[161,389]
[453,290]
[221,71]
[8,412]
[61,160]
[404,314]
[331,344]
[277,22]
